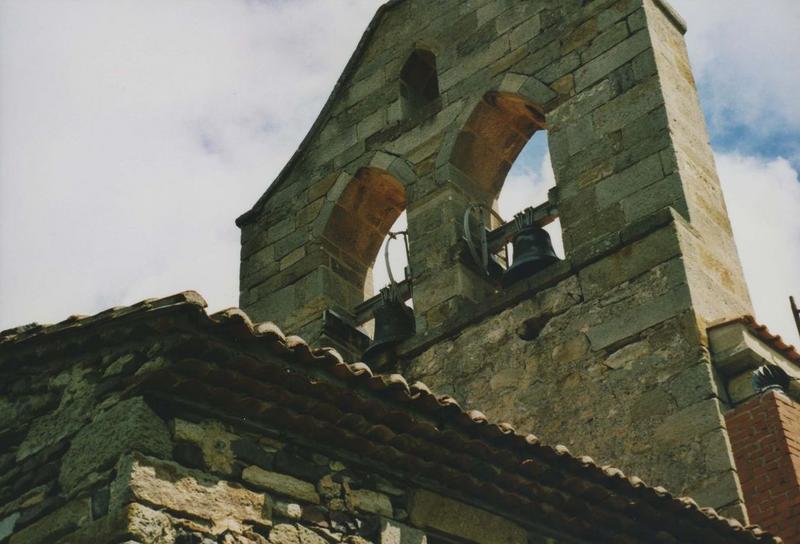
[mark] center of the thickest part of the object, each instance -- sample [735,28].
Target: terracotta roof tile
[427,434]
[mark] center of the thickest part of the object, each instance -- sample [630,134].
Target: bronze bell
[394,322]
[533,251]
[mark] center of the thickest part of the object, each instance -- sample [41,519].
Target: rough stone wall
[765,434]
[608,353]
[82,461]
[607,362]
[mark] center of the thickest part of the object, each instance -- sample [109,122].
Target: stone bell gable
[429,115]
[606,350]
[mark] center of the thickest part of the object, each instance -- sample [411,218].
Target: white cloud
[744,54]
[763,199]
[133,132]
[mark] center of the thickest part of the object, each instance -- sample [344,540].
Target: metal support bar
[364,311]
[543,214]
[795,313]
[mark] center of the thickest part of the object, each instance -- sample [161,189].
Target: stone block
[74,410]
[559,68]
[600,67]
[214,442]
[371,501]
[281,484]
[56,524]
[636,316]
[627,108]
[7,525]
[629,181]
[132,521]
[129,425]
[393,532]
[224,505]
[629,262]
[690,424]
[428,510]
[294,257]
[693,385]
[605,41]
[668,192]
[719,490]
[536,91]
[285,533]
[525,32]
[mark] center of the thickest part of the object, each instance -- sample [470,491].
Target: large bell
[533,251]
[394,322]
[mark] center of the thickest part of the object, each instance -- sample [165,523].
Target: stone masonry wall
[607,362]
[81,461]
[607,351]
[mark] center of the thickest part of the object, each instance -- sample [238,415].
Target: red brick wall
[765,435]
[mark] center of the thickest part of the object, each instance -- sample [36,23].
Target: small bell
[533,251]
[394,322]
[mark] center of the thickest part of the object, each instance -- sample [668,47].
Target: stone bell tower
[605,351]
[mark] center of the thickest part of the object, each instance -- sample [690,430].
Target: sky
[134,132]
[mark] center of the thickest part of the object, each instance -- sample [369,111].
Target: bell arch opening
[392,253]
[502,154]
[419,82]
[528,183]
[358,224]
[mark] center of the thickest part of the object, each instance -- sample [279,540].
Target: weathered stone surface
[73,412]
[134,520]
[212,439]
[294,534]
[281,484]
[130,425]
[690,423]
[371,501]
[56,524]
[225,505]
[430,511]
[601,66]
[393,532]
[7,525]
[288,510]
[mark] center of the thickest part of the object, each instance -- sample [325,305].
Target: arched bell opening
[501,154]
[359,223]
[530,180]
[391,263]
[366,217]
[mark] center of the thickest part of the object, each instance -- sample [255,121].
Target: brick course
[765,435]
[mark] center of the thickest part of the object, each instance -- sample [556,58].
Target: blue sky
[134,132]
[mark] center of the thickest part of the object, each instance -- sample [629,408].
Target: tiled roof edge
[237,322]
[763,333]
[36,330]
